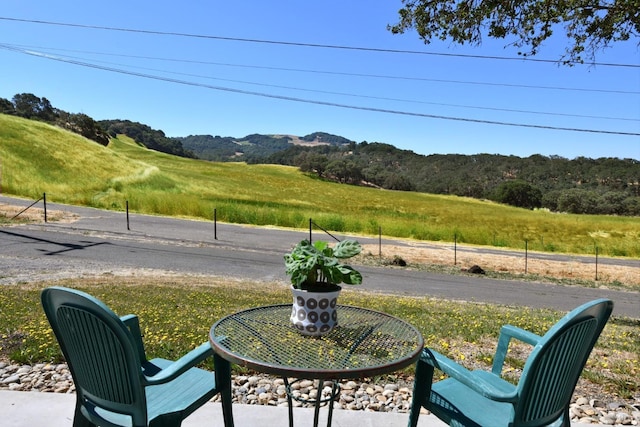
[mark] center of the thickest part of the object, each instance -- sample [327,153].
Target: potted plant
[316,272]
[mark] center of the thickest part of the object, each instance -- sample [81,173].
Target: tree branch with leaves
[589,25]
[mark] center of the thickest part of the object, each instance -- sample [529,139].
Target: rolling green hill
[38,158]
[603,186]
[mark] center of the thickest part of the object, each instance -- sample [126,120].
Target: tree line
[609,186]
[252,148]
[32,107]
[153,139]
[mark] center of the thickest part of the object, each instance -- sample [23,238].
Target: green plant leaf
[347,248]
[350,276]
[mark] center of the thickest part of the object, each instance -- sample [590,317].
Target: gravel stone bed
[353,395]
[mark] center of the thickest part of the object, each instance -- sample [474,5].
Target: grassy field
[177,312]
[37,158]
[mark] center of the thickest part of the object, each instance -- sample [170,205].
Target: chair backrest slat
[553,378]
[555,364]
[90,343]
[100,352]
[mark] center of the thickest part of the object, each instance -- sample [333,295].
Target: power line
[339,73]
[509,110]
[325,103]
[288,43]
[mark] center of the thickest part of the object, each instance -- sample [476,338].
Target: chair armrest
[130,320]
[132,323]
[458,372]
[521,334]
[186,362]
[506,333]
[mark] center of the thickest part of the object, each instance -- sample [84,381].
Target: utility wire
[307,101]
[287,43]
[509,110]
[338,73]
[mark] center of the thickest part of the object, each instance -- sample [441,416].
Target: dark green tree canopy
[589,25]
[151,138]
[29,106]
[32,107]
[6,106]
[518,193]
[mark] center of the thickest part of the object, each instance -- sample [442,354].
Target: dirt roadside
[443,255]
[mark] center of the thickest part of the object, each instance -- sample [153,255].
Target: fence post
[215,224]
[44,198]
[127,205]
[455,249]
[310,229]
[526,255]
[596,263]
[380,242]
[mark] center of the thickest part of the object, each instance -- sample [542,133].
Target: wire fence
[43,199]
[314,225]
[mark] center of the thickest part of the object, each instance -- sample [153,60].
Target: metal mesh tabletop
[365,343]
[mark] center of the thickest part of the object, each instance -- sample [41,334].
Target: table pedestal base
[318,401]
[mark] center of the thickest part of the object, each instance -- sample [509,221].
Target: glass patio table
[365,343]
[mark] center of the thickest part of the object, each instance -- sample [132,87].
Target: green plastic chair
[115,383]
[541,398]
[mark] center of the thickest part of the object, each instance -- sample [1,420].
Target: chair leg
[223,382]
[168,420]
[566,418]
[79,420]
[421,390]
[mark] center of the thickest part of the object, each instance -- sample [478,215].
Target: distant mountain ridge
[253,148]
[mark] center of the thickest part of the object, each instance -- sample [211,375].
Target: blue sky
[425,102]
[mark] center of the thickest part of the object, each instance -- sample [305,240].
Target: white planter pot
[314,313]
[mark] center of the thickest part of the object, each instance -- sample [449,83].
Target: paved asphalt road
[103,241]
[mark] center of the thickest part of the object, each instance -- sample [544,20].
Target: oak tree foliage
[588,25]
[33,107]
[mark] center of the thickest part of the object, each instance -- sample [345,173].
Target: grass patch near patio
[177,312]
